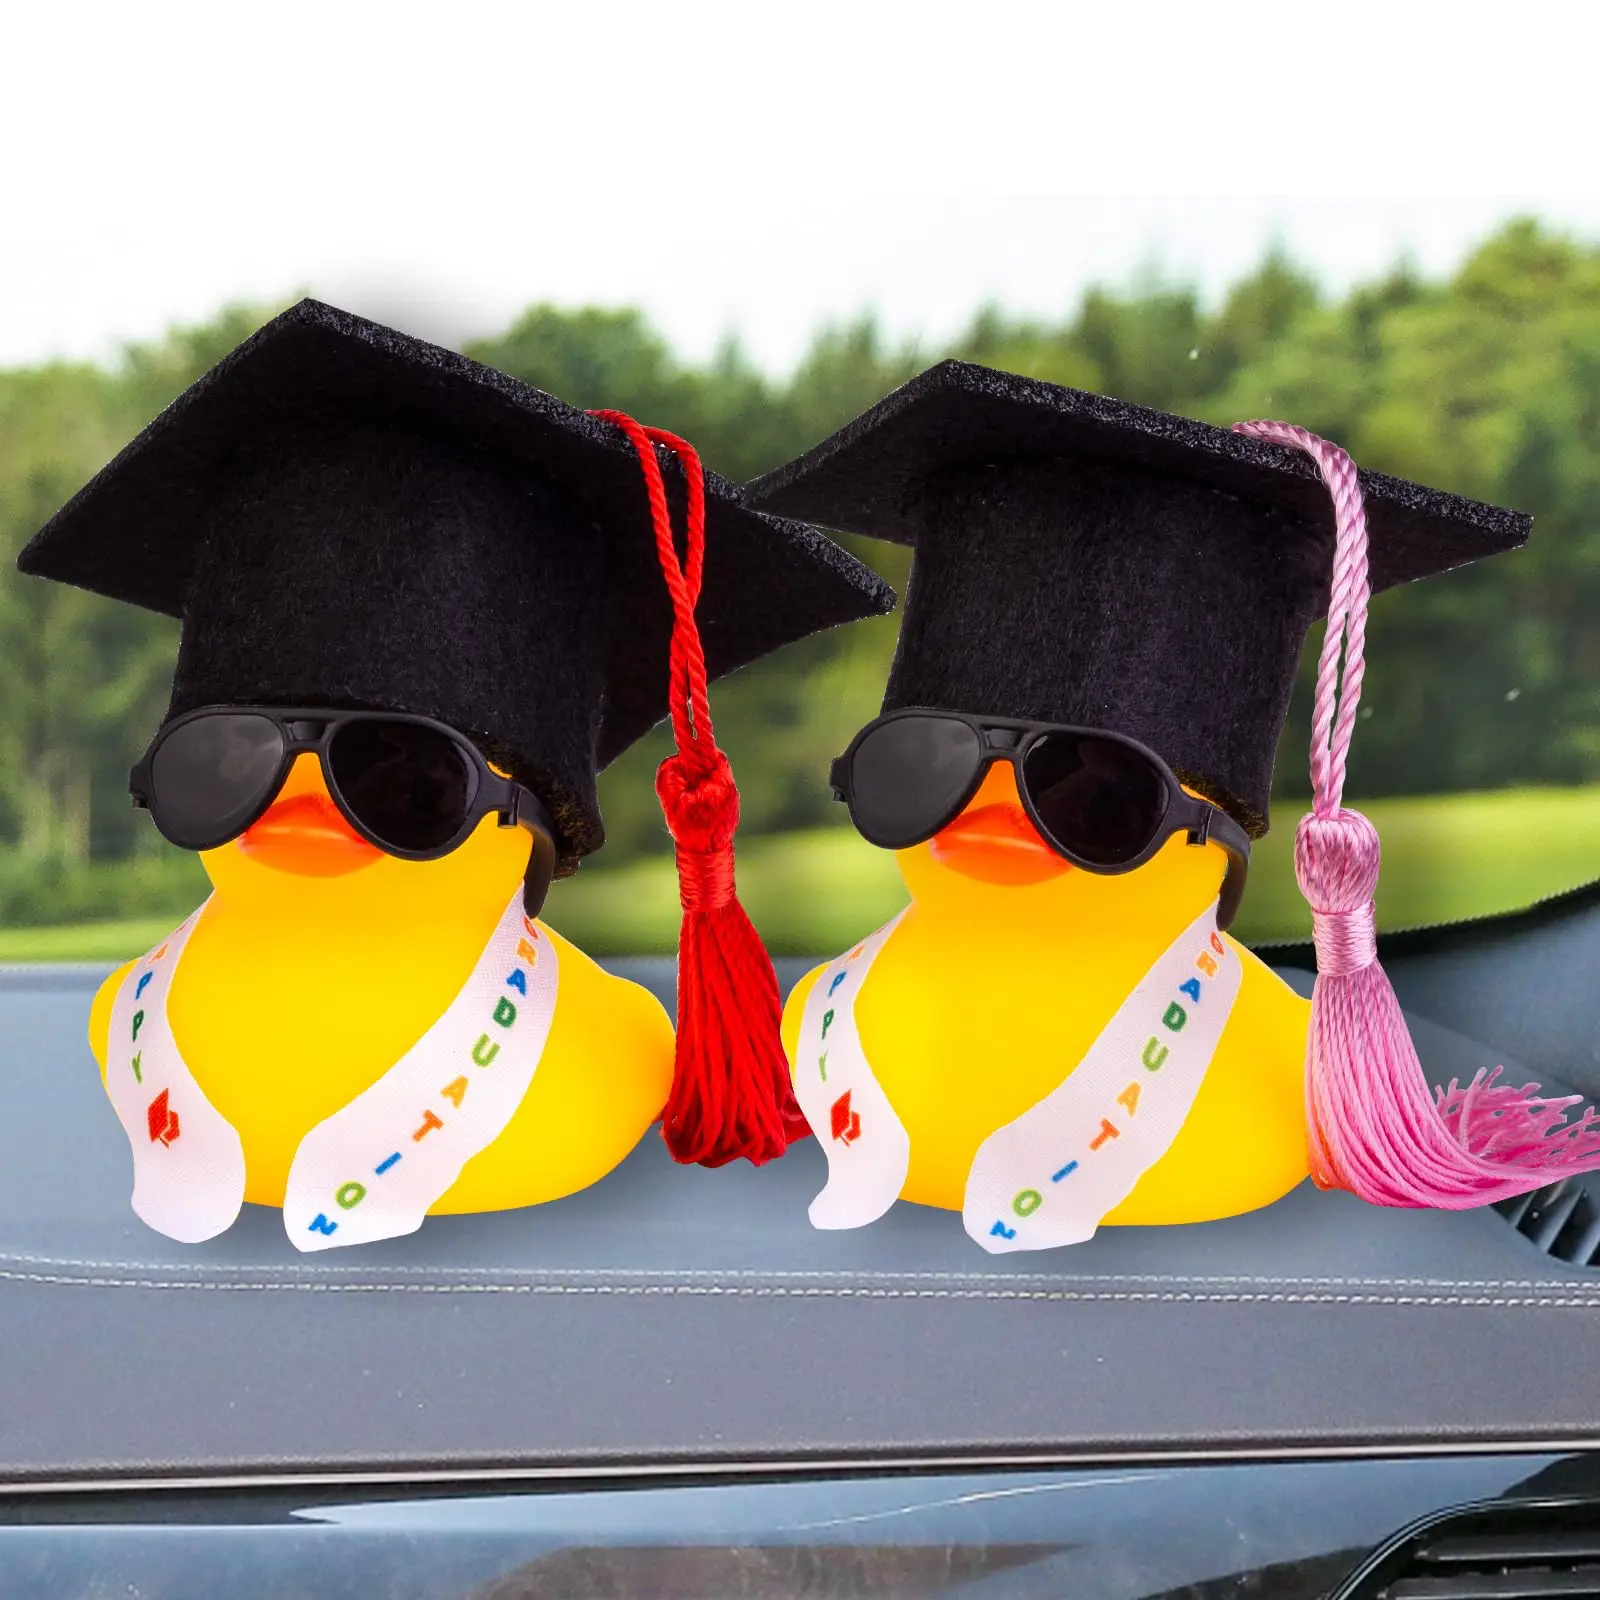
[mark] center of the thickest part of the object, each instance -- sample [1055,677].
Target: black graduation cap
[1086,561]
[342,514]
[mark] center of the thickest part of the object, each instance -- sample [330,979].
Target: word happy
[160,1119]
[844,1123]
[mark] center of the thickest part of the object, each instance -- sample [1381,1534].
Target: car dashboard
[671,1385]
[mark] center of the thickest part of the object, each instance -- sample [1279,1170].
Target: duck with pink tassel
[1106,612]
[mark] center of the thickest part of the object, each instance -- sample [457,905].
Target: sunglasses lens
[909,776]
[211,778]
[1097,798]
[411,787]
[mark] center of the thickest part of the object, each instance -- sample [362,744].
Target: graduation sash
[374,1168]
[1049,1177]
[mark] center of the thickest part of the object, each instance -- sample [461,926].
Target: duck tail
[1375,1125]
[731,1093]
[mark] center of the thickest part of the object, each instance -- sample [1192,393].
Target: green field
[810,893]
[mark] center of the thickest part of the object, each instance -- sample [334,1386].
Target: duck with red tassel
[1105,616]
[422,605]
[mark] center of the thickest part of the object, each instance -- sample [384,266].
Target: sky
[758,168]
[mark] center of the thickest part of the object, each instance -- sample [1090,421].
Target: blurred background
[503,186]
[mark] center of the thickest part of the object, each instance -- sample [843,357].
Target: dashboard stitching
[774,1291]
[1554,1286]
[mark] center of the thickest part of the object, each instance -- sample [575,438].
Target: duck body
[992,988]
[297,990]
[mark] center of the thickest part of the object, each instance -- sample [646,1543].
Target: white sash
[188,1163]
[868,1148]
[1050,1177]
[371,1170]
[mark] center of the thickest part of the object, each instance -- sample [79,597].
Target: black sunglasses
[413,787]
[1100,800]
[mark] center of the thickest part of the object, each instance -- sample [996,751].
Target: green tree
[87,678]
[1489,384]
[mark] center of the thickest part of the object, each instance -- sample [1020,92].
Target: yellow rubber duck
[344,518]
[1054,951]
[373,948]
[1090,566]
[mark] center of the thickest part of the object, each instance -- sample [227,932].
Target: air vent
[1504,1551]
[1563,1220]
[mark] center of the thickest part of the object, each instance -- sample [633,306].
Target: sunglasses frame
[1010,739]
[312,728]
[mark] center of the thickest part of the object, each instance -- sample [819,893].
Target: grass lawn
[1445,859]
[85,941]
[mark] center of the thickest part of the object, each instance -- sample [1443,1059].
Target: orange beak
[304,832]
[993,840]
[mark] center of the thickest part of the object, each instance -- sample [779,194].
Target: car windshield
[1477,750]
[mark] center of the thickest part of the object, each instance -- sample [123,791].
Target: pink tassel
[1375,1126]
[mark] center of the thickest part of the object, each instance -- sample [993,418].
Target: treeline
[1487,382]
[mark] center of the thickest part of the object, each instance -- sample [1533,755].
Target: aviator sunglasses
[411,786]
[1100,800]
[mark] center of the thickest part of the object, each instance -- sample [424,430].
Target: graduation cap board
[343,514]
[1083,560]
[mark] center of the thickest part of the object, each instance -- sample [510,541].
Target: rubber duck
[1104,620]
[303,907]
[423,604]
[1060,948]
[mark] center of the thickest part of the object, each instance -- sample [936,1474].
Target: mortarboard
[1082,560]
[343,514]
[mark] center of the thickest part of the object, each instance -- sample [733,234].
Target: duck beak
[306,834]
[993,841]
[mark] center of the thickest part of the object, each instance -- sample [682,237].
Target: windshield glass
[1477,750]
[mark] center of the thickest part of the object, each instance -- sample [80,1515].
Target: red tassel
[731,1091]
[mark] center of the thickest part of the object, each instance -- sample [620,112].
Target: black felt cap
[1083,560]
[342,514]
